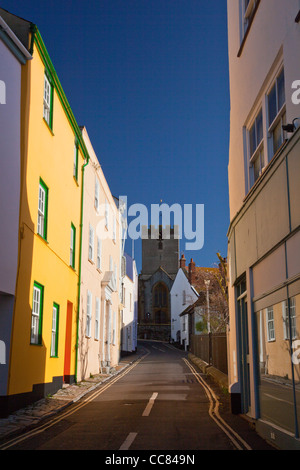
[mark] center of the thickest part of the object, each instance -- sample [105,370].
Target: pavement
[33,414]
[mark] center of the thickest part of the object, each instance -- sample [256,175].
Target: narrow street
[159,402]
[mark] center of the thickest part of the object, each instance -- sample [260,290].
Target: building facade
[129,311]
[99,319]
[264,235]
[159,268]
[44,329]
[13,56]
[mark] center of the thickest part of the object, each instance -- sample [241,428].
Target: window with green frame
[72,246]
[75,162]
[48,100]
[54,331]
[37,314]
[42,210]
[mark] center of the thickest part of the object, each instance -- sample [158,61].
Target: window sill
[76,181]
[48,127]
[91,261]
[43,239]
[72,267]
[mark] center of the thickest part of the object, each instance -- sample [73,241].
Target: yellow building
[53,156]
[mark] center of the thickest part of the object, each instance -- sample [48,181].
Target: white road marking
[128,441]
[150,404]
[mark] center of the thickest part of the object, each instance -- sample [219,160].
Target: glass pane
[259,128]
[281,92]
[277,137]
[252,139]
[275,371]
[272,105]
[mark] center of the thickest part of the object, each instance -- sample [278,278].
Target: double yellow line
[214,404]
[71,411]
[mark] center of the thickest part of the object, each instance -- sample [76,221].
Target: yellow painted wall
[48,156]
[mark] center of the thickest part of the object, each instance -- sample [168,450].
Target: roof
[190,309]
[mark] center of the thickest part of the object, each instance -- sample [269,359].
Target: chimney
[192,271]
[182,261]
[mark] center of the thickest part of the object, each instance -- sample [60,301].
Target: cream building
[264,235]
[99,318]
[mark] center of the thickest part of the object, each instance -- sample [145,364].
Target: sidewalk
[31,415]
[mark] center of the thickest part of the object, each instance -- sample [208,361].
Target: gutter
[79,273]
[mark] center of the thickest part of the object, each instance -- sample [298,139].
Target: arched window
[160,303]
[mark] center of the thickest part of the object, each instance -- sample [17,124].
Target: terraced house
[264,232]
[43,346]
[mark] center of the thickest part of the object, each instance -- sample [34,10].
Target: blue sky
[149,80]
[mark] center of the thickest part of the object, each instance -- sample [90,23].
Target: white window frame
[75,162]
[97,194]
[36,314]
[47,100]
[42,210]
[286,317]
[279,119]
[114,332]
[106,214]
[270,322]
[91,243]
[114,229]
[54,329]
[99,252]
[72,246]
[97,319]
[89,300]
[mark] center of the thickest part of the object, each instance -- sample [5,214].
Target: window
[114,335]
[36,314]
[114,230]
[256,148]
[91,243]
[48,101]
[72,246]
[276,114]
[270,324]
[42,210]
[248,10]
[75,162]
[89,314]
[183,297]
[97,319]
[97,190]
[287,317]
[54,332]
[106,213]
[99,248]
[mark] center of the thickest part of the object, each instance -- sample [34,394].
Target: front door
[244,359]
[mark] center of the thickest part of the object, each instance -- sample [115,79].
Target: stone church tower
[160,264]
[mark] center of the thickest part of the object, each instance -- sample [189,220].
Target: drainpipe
[79,269]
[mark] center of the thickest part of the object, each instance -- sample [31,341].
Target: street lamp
[207,283]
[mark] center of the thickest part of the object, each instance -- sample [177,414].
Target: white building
[99,319]
[129,311]
[264,231]
[182,294]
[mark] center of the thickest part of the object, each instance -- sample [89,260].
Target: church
[160,263]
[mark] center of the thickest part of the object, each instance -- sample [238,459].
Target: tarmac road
[159,403]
